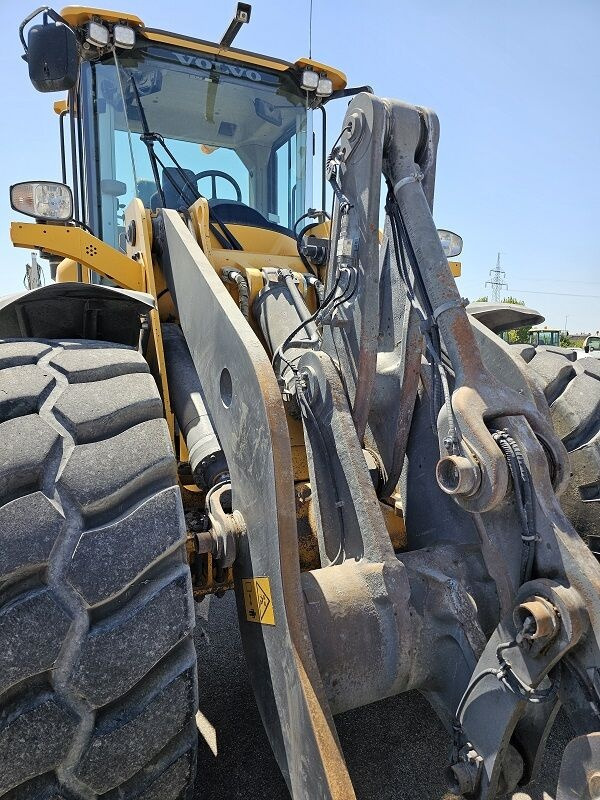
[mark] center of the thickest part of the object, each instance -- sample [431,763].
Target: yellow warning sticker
[257,600]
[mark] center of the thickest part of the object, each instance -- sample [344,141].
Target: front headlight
[43,200]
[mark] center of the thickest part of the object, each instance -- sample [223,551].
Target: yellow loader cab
[237,123]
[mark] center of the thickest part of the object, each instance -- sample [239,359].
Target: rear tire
[572,388]
[98,687]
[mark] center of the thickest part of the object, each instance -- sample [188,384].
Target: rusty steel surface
[490,702]
[355,345]
[478,397]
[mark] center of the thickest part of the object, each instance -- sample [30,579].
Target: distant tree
[482,299]
[565,340]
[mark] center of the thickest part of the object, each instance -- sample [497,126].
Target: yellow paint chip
[258,601]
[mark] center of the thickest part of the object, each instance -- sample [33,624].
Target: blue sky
[515,84]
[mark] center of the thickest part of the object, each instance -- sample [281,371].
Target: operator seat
[235,213]
[176,191]
[230,212]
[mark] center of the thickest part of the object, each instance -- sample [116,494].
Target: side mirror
[52,57]
[452,243]
[586,349]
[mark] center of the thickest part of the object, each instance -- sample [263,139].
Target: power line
[497,281]
[567,280]
[560,294]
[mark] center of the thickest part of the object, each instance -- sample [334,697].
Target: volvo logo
[236,71]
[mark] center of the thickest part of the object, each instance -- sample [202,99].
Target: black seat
[236,213]
[175,189]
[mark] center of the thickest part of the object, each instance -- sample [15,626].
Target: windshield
[239,132]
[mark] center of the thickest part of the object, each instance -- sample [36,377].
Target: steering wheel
[214,174]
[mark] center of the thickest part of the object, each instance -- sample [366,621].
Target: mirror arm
[41,10]
[349,92]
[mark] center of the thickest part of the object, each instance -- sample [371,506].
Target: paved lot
[395,749]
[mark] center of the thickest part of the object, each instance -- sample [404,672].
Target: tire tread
[89,478]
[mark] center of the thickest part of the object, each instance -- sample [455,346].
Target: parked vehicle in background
[548,337]
[591,347]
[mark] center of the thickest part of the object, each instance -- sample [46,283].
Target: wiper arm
[225,238]
[148,140]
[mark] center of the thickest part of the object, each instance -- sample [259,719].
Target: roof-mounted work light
[97,34]
[124,36]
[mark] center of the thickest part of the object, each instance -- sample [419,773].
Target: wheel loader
[228,389]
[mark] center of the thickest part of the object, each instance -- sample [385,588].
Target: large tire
[572,388]
[98,688]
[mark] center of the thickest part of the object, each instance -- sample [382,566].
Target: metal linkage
[226,526]
[500,459]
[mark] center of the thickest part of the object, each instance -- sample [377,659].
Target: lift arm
[493,611]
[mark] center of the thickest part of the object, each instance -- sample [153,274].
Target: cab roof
[79,15]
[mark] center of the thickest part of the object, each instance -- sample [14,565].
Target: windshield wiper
[148,141]
[224,236]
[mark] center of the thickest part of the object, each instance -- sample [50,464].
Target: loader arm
[493,609]
[247,411]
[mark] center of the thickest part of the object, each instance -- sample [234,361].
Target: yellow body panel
[455,268]
[394,522]
[79,15]
[261,240]
[60,106]
[243,259]
[262,248]
[141,251]
[215,49]
[84,248]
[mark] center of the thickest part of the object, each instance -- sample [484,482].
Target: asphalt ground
[395,749]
